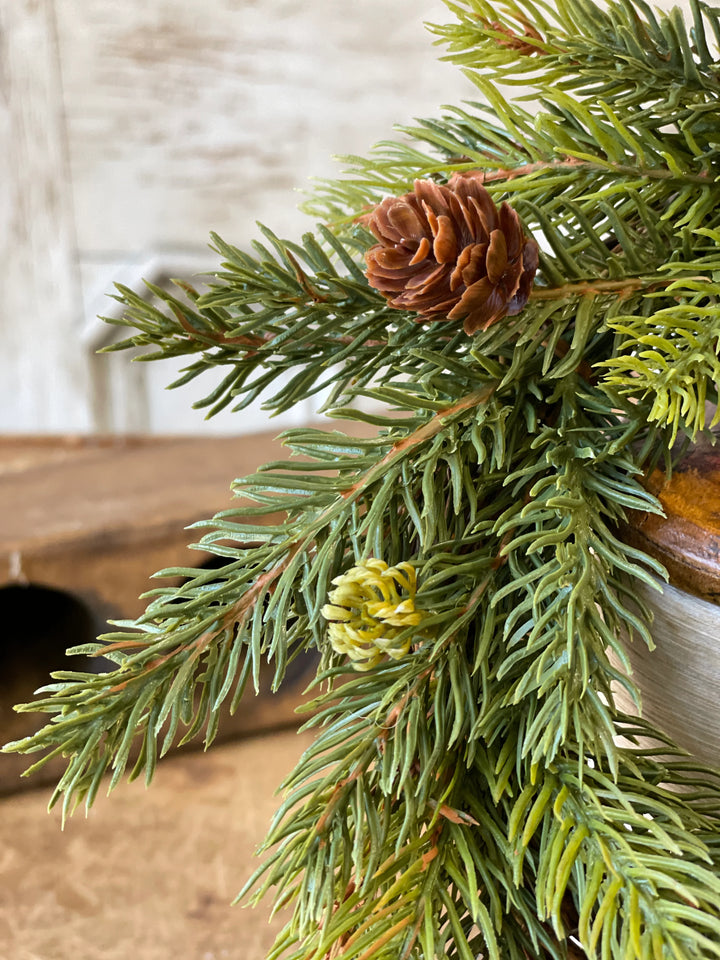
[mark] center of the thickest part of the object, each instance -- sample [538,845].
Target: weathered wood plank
[43,382]
[173,118]
[181,120]
[94,519]
[98,517]
[184,117]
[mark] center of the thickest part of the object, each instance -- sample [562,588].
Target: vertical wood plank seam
[68,181]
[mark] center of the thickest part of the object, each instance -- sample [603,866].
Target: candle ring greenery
[526,296]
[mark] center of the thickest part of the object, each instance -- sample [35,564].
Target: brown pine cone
[448,253]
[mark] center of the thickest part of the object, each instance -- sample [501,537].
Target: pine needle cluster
[479,793]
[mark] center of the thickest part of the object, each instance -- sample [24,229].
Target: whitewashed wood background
[130,130]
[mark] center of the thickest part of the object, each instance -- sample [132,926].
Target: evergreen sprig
[486,793]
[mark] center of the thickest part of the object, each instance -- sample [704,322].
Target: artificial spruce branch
[530,300]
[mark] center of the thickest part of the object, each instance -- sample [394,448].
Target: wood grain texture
[138,127]
[86,493]
[43,374]
[95,519]
[151,874]
[686,539]
[185,117]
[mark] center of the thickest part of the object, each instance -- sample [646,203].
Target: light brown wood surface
[85,495]
[151,874]
[95,518]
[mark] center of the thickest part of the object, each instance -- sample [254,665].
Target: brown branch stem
[242,607]
[574,163]
[426,432]
[220,338]
[255,343]
[237,612]
[596,288]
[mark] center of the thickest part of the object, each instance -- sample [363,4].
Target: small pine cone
[448,253]
[371,605]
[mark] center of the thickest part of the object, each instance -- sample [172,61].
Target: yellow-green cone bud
[371,605]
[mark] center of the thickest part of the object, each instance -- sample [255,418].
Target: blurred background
[131,130]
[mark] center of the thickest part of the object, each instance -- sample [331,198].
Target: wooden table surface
[150,874]
[94,518]
[85,496]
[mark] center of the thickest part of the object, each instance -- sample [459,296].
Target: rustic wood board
[43,373]
[92,504]
[95,519]
[149,875]
[131,130]
[184,118]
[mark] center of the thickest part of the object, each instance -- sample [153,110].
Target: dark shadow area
[39,624]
